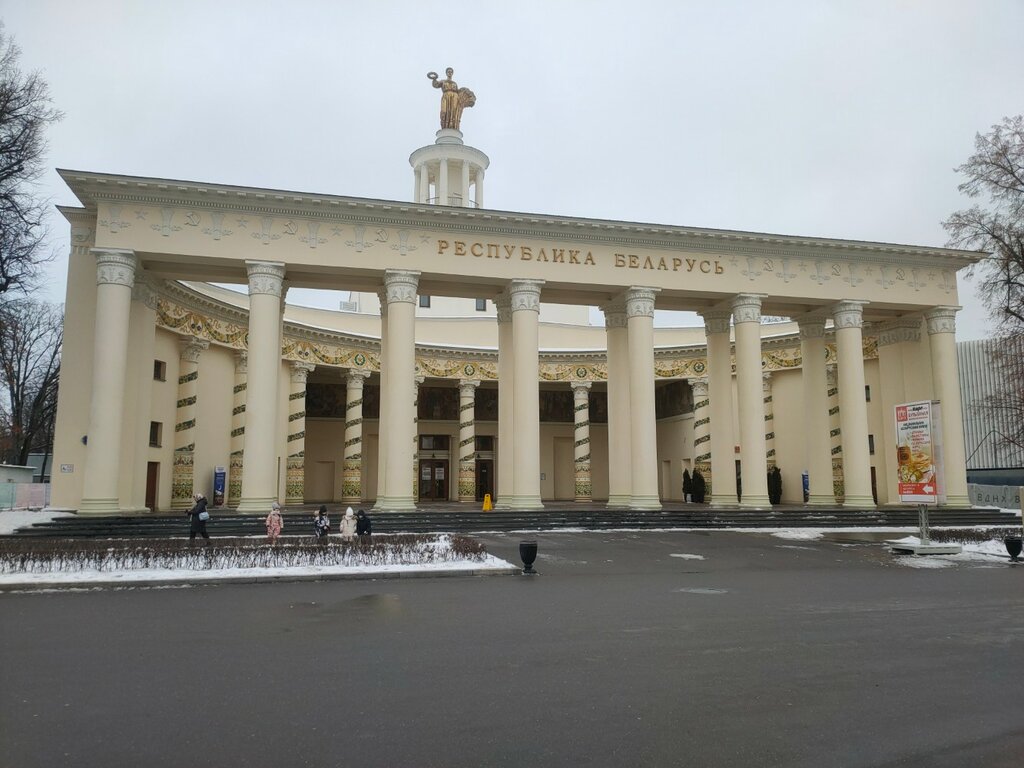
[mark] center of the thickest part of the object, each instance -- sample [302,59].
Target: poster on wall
[919,471]
[219,482]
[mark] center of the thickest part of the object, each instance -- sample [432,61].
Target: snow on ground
[687,557]
[12,519]
[799,534]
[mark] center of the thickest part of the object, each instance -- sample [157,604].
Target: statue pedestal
[448,136]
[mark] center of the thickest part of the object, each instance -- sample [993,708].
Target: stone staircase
[454,519]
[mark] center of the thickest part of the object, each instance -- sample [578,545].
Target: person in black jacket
[363,526]
[197,518]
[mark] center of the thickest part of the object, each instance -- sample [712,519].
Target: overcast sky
[819,118]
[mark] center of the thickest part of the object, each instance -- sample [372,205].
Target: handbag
[204,515]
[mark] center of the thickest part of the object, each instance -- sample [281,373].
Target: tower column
[467,440]
[506,423]
[619,454]
[479,187]
[643,425]
[581,441]
[352,465]
[848,318]
[182,478]
[466,202]
[815,407]
[722,480]
[946,383]
[295,473]
[746,312]
[260,472]
[237,429]
[115,276]
[442,183]
[525,300]
[701,429]
[397,398]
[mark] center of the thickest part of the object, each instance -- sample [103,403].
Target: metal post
[922,518]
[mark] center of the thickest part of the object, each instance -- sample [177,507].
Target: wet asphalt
[766,652]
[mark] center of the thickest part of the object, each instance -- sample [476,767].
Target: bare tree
[996,171]
[25,112]
[31,334]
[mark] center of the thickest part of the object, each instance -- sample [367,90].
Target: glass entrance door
[434,479]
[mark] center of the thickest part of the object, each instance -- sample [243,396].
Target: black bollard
[528,553]
[1013,547]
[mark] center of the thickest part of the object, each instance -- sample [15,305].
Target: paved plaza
[630,649]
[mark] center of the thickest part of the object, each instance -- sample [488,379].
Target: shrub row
[971,535]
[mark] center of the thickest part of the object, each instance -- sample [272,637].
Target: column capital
[614,313]
[382,295]
[503,304]
[400,285]
[848,314]
[356,377]
[898,331]
[580,389]
[640,301]
[242,361]
[191,347]
[811,327]
[265,277]
[941,319]
[716,320]
[525,295]
[746,308]
[144,292]
[467,387]
[300,371]
[115,266]
[699,387]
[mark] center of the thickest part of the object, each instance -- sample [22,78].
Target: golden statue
[453,98]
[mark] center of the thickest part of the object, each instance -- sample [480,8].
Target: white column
[721,481]
[295,472]
[619,454]
[479,187]
[442,184]
[417,175]
[643,434]
[525,299]
[182,478]
[506,423]
[701,428]
[397,399]
[581,441]
[467,440]
[946,383]
[746,312]
[848,318]
[815,409]
[115,275]
[466,202]
[236,459]
[352,466]
[382,416]
[260,473]
[835,433]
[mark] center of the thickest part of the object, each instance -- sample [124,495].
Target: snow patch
[687,557]
[798,534]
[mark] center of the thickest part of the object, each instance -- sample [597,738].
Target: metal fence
[24,495]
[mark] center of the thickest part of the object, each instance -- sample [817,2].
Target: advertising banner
[919,473]
[219,483]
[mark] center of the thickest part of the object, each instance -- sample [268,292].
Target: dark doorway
[434,479]
[484,478]
[152,483]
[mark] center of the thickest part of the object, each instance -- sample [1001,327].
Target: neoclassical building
[466,362]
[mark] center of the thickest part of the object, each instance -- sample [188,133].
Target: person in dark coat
[363,525]
[197,518]
[321,524]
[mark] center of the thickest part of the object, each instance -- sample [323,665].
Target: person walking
[348,526]
[321,524]
[363,526]
[274,523]
[197,518]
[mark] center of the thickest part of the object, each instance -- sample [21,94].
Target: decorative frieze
[899,331]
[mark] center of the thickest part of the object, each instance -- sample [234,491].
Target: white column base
[652,503]
[99,507]
[723,500]
[755,502]
[959,502]
[821,501]
[255,504]
[860,502]
[524,503]
[395,504]
[619,501]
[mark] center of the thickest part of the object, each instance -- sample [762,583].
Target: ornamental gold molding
[338,355]
[174,317]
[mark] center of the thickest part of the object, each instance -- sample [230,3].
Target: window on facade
[433,442]
[155,434]
[484,442]
[481,305]
[424,300]
[159,370]
[871,444]
[867,392]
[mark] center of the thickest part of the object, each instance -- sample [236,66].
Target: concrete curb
[201,581]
